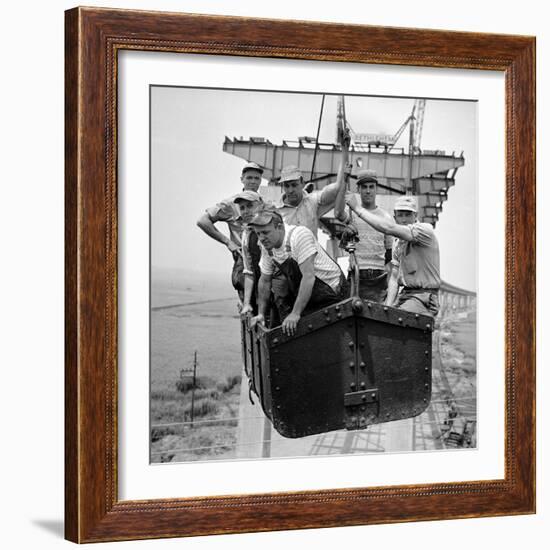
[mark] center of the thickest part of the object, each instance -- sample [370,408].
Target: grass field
[199,313]
[193,313]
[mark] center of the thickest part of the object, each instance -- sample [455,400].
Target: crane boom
[420,107]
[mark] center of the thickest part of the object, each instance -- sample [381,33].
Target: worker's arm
[304,294]
[382,224]
[341,183]
[264,291]
[207,225]
[329,193]
[247,272]
[327,197]
[248,290]
[393,285]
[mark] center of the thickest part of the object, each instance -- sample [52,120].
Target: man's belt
[410,289]
[372,272]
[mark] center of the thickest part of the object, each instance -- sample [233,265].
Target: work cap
[251,196]
[265,217]
[252,166]
[406,203]
[290,173]
[364,176]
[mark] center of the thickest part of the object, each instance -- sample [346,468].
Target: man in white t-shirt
[373,250]
[249,204]
[312,279]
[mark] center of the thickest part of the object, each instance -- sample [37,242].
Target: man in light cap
[374,249]
[314,279]
[300,208]
[249,203]
[228,212]
[415,257]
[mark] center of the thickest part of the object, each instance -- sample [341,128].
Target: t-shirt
[227,211]
[370,251]
[302,245]
[418,260]
[311,208]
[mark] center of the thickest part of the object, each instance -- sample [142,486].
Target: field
[192,313]
[200,315]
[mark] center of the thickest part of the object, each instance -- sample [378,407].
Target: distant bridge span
[455,299]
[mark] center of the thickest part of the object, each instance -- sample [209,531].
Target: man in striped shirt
[313,280]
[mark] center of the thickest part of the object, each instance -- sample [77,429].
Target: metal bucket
[350,365]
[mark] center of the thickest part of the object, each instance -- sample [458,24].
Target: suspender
[288,249]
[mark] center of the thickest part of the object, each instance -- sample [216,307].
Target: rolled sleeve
[305,245]
[221,212]
[422,233]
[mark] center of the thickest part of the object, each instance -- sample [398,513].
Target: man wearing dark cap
[227,211]
[300,208]
[373,250]
[415,257]
[313,279]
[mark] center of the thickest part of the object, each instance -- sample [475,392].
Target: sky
[190,172]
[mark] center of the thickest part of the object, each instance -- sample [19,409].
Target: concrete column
[254,429]
[399,435]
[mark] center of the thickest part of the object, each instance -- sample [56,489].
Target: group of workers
[282,273]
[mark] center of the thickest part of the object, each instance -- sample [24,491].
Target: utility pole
[193,389]
[194,384]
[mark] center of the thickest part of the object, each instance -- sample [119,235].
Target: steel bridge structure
[427,174]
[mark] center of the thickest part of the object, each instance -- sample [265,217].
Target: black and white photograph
[313,274]
[274,275]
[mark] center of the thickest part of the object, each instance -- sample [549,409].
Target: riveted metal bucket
[350,365]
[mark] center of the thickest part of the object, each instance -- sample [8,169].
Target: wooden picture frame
[93,511]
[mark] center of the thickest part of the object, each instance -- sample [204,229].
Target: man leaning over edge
[314,279]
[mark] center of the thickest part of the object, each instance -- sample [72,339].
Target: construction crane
[415,136]
[415,119]
[419,108]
